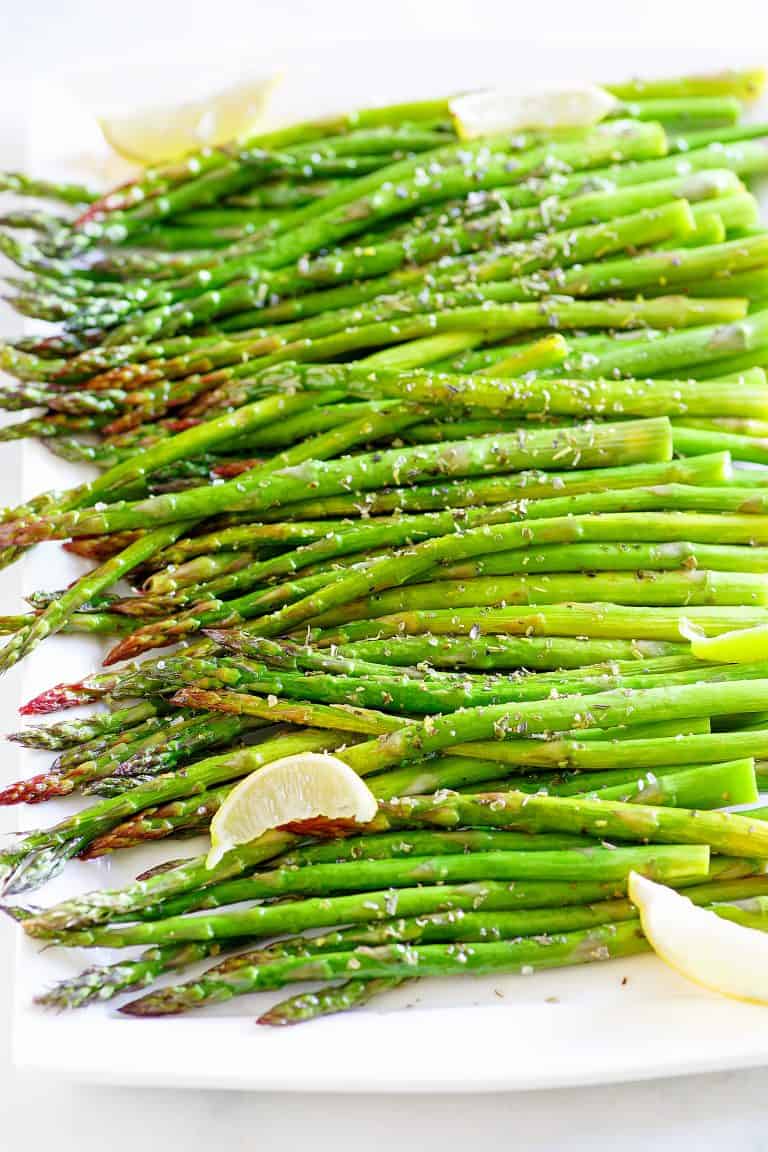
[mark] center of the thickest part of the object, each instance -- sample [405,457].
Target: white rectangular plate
[620,1021]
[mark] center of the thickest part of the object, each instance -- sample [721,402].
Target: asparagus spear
[69,733]
[450,771]
[641,441]
[697,346]
[427,696]
[731,782]
[352,993]
[104,982]
[613,940]
[745,85]
[33,859]
[505,652]
[695,440]
[98,623]
[264,921]
[574,620]
[707,470]
[703,786]
[327,1001]
[23,185]
[583,864]
[58,613]
[726,833]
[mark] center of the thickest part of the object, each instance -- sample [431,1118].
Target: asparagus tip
[52,999]
[15,533]
[191,698]
[30,868]
[35,789]
[134,645]
[220,636]
[274,1019]
[164,866]
[162,1003]
[17,913]
[55,700]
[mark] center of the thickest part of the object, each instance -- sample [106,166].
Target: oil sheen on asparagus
[427,451]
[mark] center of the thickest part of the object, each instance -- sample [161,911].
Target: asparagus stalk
[744,85]
[665,588]
[71,733]
[695,440]
[23,185]
[573,620]
[728,834]
[353,993]
[616,557]
[427,696]
[327,1001]
[707,470]
[104,982]
[640,441]
[264,921]
[702,786]
[505,652]
[34,858]
[672,863]
[59,612]
[98,623]
[700,346]
[473,764]
[613,940]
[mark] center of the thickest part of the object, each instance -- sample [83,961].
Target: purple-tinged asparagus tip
[160,1004]
[274,1019]
[221,636]
[36,789]
[55,699]
[132,646]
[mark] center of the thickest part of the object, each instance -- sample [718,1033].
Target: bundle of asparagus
[423,449]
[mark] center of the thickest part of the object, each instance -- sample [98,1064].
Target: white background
[148,48]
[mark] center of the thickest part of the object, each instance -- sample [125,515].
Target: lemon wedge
[294,788]
[741,646]
[156,135]
[498,110]
[719,954]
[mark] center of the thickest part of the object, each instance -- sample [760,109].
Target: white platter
[605,1023]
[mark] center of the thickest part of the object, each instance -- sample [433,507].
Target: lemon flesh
[742,646]
[499,110]
[718,954]
[294,788]
[156,135]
